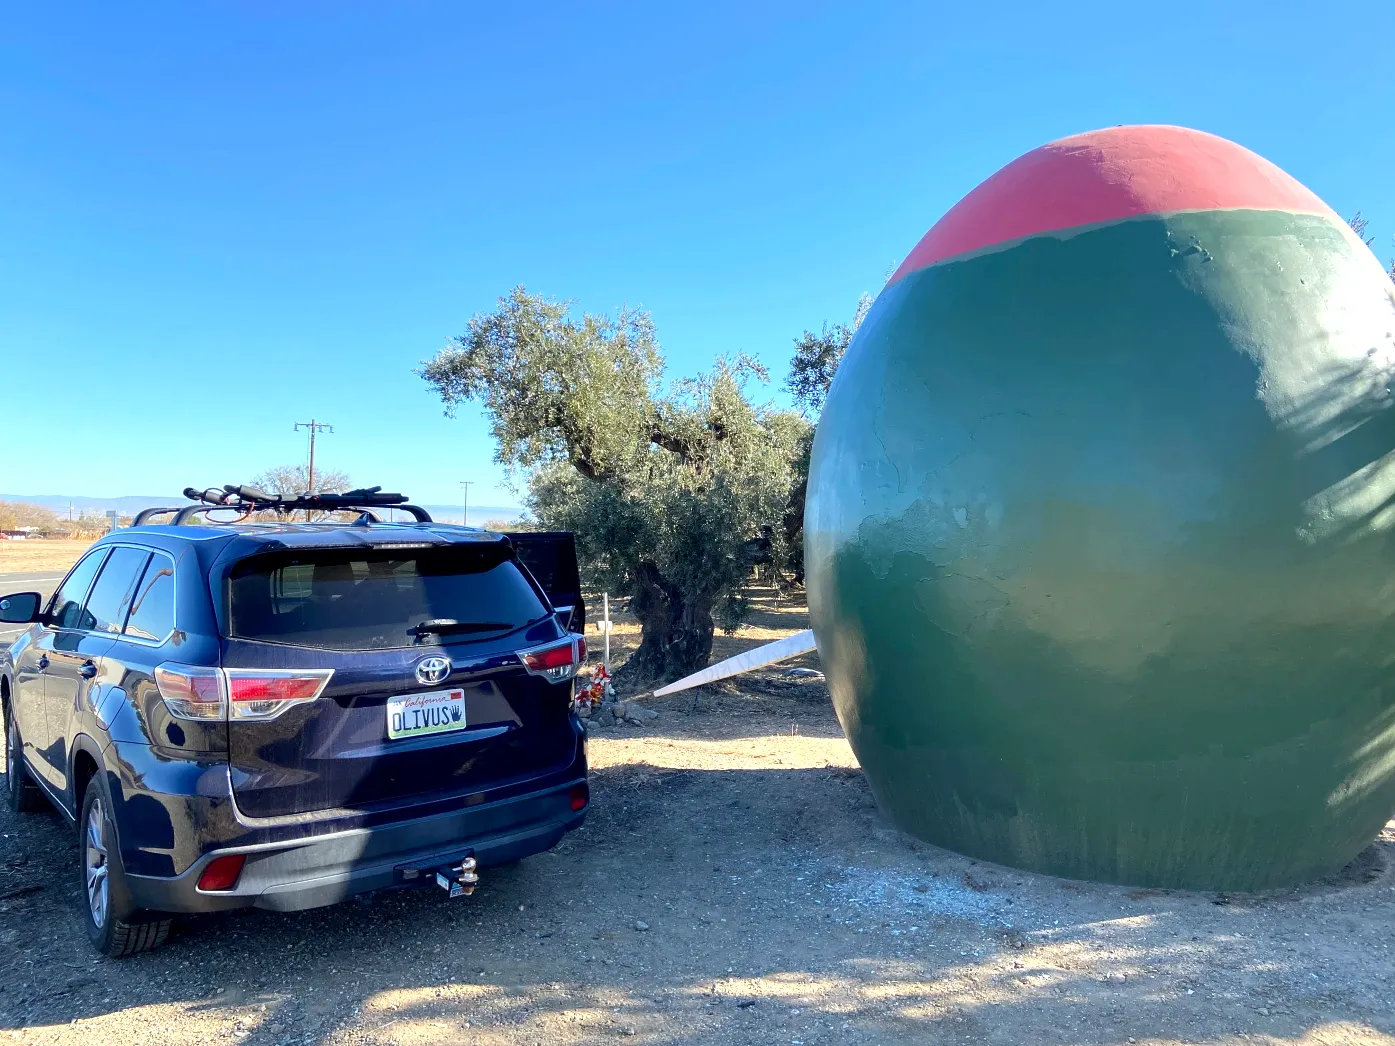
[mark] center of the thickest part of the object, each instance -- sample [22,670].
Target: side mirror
[20,608]
[564,616]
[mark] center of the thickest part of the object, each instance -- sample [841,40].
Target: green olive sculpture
[1099,522]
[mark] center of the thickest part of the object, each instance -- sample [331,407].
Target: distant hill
[479,514]
[130,504]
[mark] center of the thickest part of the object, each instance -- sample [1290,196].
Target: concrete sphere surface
[1098,531]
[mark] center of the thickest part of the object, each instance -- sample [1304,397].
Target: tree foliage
[555,388]
[815,362]
[22,515]
[816,359]
[673,492]
[1359,225]
[294,479]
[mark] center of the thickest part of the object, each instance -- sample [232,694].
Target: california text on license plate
[415,715]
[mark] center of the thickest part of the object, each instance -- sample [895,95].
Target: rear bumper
[325,869]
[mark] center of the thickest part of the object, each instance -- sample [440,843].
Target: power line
[314,427]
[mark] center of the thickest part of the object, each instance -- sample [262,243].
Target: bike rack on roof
[246,500]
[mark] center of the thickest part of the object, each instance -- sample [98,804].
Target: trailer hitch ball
[459,880]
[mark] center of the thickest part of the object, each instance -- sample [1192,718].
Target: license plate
[416,715]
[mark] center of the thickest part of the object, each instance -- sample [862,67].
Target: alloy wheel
[95,864]
[12,754]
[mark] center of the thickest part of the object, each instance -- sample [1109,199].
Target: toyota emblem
[432,670]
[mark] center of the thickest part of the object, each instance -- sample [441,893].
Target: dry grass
[31,556]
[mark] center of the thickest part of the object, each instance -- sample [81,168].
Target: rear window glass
[551,559]
[348,599]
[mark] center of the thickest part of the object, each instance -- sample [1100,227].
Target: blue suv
[284,715]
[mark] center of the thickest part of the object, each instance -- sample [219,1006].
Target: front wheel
[22,794]
[114,926]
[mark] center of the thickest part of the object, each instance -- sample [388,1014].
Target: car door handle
[43,662]
[88,670]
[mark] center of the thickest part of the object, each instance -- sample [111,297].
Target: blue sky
[219,219]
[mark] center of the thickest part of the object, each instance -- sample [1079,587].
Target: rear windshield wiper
[448,626]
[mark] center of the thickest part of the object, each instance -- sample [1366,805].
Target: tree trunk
[794,512]
[677,631]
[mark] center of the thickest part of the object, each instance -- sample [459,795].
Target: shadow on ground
[717,906]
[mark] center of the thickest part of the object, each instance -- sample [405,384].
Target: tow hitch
[458,880]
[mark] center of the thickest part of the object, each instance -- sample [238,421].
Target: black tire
[114,925]
[22,794]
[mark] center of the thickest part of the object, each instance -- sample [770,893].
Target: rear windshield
[351,599]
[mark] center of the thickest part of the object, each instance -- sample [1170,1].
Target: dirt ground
[733,884]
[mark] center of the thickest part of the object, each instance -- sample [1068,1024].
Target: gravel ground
[734,884]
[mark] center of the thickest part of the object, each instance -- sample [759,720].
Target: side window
[111,596]
[152,613]
[65,610]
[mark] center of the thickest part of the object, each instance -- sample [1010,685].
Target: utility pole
[314,427]
[465,485]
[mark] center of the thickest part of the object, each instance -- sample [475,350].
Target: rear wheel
[114,925]
[22,794]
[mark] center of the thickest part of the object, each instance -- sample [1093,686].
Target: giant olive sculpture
[1099,522]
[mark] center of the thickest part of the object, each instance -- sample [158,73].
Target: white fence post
[605,601]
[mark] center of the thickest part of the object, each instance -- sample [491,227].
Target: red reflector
[222,872]
[580,648]
[580,796]
[273,688]
[549,657]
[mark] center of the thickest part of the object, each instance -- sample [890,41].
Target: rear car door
[342,665]
[79,644]
[34,664]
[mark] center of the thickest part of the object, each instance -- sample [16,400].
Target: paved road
[41,581]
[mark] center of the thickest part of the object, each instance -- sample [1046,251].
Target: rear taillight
[266,693]
[579,795]
[193,692]
[555,661]
[222,873]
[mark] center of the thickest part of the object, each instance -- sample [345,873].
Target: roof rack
[246,500]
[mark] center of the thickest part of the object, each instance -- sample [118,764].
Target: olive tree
[815,362]
[673,491]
